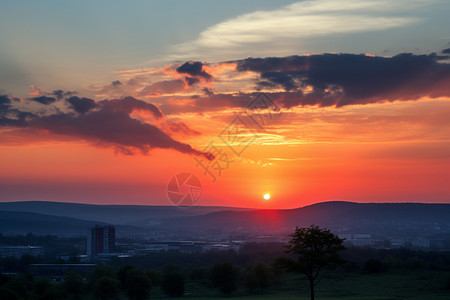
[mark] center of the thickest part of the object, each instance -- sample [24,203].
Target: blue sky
[73,44]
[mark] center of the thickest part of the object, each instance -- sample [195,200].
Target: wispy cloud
[296,21]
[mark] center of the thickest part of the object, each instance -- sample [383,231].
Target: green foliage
[99,272]
[257,277]
[7,294]
[73,284]
[18,285]
[123,273]
[106,288]
[155,276]
[224,277]
[173,283]
[316,248]
[138,285]
[43,289]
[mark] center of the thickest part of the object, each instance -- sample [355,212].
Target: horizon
[221,207]
[254,104]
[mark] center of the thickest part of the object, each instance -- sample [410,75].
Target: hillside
[138,215]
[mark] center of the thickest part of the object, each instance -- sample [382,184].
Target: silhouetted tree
[257,276]
[138,285]
[123,273]
[173,283]
[106,288]
[73,283]
[316,248]
[155,276]
[224,277]
[44,290]
[99,272]
[19,286]
[7,294]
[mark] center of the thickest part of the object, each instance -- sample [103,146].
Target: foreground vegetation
[253,272]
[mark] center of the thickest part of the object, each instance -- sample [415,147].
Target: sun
[266,196]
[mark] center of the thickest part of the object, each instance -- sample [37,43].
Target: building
[18,251]
[100,240]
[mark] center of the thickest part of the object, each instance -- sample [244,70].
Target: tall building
[100,239]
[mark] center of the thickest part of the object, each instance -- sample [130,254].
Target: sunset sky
[308,101]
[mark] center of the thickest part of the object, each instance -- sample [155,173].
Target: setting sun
[266,196]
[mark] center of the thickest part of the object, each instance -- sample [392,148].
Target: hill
[137,215]
[342,216]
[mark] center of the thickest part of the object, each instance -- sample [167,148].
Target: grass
[399,284]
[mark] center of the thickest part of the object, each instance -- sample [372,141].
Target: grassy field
[392,285]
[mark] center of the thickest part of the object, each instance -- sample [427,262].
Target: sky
[106,102]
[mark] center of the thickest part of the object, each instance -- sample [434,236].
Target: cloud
[43,100]
[108,123]
[163,87]
[194,71]
[345,79]
[446,51]
[299,20]
[10,116]
[129,104]
[81,105]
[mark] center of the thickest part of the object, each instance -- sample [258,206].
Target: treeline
[105,282]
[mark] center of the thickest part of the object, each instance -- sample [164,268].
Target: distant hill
[13,222]
[71,218]
[345,216]
[138,215]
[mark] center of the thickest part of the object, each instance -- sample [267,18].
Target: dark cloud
[46,100]
[345,79]
[116,83]
[60,94]
[128,104]
[5,103]
[81,105]
[180,127]
[194,71]
[10,116]
[446,51]
[191,80]
[208,91]
[107,123]
[112,128]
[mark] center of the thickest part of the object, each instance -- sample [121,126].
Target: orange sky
[386,151]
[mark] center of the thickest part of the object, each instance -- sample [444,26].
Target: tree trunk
[311,287]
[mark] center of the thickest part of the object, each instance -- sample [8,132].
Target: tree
[224,276]
[106,288]
[73,283]
[138,285]
[44,290]
[123,273]
[173,283]
[316,249]
[257,276]
[7,294]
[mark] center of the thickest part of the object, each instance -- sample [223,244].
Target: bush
[138,285]
[7,294]
[224,277]
[106,288]
[257,277]
[173,283]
